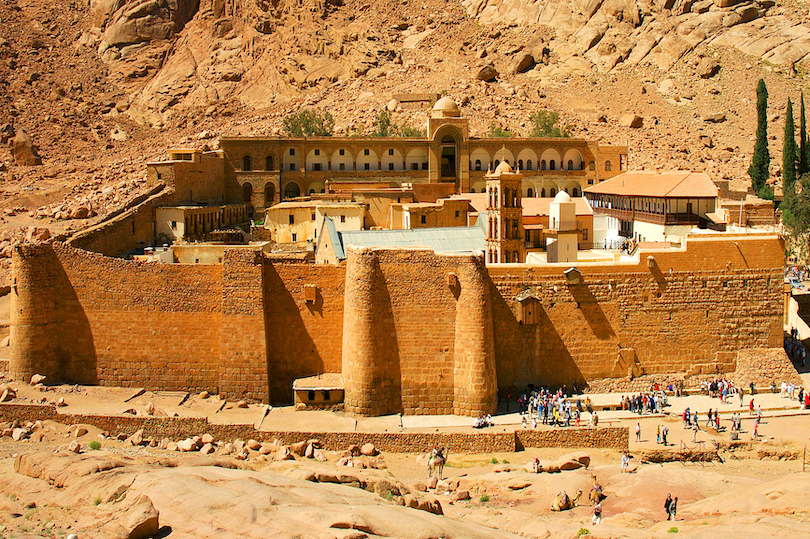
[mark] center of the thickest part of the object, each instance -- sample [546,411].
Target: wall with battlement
[411,331]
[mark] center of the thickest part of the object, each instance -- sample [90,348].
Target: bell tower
[504,217]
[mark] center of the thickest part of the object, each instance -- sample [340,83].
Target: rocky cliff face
[613,32]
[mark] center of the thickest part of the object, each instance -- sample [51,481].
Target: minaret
[504,217]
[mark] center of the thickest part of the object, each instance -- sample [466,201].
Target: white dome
[562,196]
[503,167]
[445,104]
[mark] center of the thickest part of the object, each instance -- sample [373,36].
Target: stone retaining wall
[396,442]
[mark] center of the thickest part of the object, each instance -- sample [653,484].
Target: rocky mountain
[100,88]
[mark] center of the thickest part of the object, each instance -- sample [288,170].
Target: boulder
[486,73]
[74,447]
[37,379]
[707,67]
[7,395]
[141,519]
[523,62]
[207,439]
[714,117]
[354,450]
[241,404]
[150,407]
[253,445]
[432,482]
[310,451]
[186,445]
[319,455]
[631,120]
[207,449]
[368,450]
[136,439]
[23,150]
[299,448]
[283,453]
[266,449]
[19,434]
[203,395]
[461,495]
[78,431]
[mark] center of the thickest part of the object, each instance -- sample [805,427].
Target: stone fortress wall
[411,331]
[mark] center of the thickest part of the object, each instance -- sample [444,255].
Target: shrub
[97,500]
[484,498]
[583,531]
[494,460]
[497,132]
[545,125]
[95,445]
[673,529]
[308,123]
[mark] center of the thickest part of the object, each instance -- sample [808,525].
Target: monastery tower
[504,226]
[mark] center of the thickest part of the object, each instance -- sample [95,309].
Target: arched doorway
[291,190]
[269,194]
[247,192]
[449,148]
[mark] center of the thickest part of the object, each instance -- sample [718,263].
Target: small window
[529,165]
[196,260]
[160,176]
[342,152]
[316,167]
[590,182]
[174,225]
[608,166]
[520,164]
[552,165]
[366,152]
[391,151]
[325,395]
[570,164]
[295,237]
[291,219]
[292,151]
[424,219]
[342,218]
[584,234]
[543,164]
[390,166]
[310,396]
[477,164]
[424,165]
[292,166]
[457,214]
[414,166]
[317,152]
[366,166]
[343,166]
[313,217]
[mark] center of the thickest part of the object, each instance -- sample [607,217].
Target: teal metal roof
[440,240]
[334,238]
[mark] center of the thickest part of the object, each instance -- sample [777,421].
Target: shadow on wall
[77,351]
[592,311]
[386,342]
[291,353]
[529,353]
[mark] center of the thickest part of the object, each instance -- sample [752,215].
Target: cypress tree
[789,153]
[804,163]
[761,160]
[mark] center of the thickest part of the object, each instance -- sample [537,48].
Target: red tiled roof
[650,183]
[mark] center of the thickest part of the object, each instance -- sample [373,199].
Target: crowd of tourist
[483,421]
[642,403]
[794,348]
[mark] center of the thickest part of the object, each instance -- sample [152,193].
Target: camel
[436,464]
[563,502]
[595,495]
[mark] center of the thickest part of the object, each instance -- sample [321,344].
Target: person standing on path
[597,514]
[658,434]
[638,432]
[751,407]
[667,503]
[664,432]
[625,462]
[673,509]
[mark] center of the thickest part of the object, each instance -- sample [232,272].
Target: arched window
[529,164]
[291,190]
[472,190]
[269,194]
[520,164]
[552,165]
[543,192]
[477,165]
[570,164]
[268,162]
[591,166]
[608,166]
[530,192]
[576,192]
[496,164]
[247,163]
[553,192]
[543,164]
[247,192]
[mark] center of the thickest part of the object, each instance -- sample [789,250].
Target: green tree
[544,125]
[796,216]
[761,160]
[382,125]
[496,131]
[804,162]
[308,123]
[789,152]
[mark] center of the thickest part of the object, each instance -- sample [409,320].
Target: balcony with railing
[651,217]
